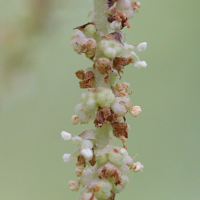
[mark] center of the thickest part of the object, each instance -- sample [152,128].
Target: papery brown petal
[86,84]
[102,116]
[89,75]
[87,79]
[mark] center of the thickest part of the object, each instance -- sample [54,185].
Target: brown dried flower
[120,129]
[103,65]
[119,63]
[80,161]
[101,116]
[89,48]
[87,79]
[105,116]
[119,16]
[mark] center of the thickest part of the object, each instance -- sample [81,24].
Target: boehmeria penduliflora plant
[101,167]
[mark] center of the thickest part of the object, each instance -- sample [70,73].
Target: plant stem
[101,15]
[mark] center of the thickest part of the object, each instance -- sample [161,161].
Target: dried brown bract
[114,35]
[119,63]
[87,79]
[120,129]
[81,28]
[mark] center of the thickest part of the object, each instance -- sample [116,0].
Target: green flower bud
[117,156]
[102,158]
[104,189]
[110,52]
[87,144]
[89,30]
[118,188]
[89,102]
[111,48]
[77,140]
[87,176]
[105,97]
[83,96]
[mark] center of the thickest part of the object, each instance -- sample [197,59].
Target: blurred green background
[38,105]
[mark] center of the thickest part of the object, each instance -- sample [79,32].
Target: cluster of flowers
[101,167]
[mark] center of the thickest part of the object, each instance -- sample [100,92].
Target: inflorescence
[101,167]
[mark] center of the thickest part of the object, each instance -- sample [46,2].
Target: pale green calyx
[105,97]
[111,48]
[77,140]
[89,30]
[104,189]
[101,158]
[118,188]
[87,144]
[89,102]
[117,156]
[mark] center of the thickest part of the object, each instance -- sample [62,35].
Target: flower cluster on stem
[102,168]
